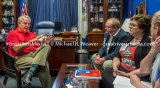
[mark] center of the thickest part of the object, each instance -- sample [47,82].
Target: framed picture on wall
[142,8]
[137,10]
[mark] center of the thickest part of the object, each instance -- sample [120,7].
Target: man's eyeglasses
[108,26]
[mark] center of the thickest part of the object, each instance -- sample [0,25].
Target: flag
[24,7]
[84,19]
[130,11]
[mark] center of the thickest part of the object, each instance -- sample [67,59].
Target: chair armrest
[8,59]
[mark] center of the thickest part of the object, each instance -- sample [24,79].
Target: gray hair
[21,18]
[115,22]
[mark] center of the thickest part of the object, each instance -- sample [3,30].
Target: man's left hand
[100,61]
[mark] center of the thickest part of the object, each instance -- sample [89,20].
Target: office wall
[151,5]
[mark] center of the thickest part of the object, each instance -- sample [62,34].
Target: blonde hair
[21,18]
[156,19]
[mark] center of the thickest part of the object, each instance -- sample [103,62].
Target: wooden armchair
[10,69]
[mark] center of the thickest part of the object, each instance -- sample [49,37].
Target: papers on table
[123,82]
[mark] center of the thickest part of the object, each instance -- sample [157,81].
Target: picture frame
[137,10]
[142,8]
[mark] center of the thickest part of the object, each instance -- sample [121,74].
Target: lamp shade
[125,25]
[158,12]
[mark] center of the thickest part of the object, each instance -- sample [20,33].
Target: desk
[95,38]
[61,54]
[63,51]
[64,68]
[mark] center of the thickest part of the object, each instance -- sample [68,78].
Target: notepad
[123,82]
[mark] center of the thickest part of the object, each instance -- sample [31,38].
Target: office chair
[10,69]
[45,27]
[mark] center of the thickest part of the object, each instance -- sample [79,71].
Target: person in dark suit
[114,35]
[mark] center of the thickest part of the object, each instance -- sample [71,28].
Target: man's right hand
[97,59]
[98,56]
[36,39]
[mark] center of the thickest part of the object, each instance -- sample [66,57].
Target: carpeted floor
[11,83]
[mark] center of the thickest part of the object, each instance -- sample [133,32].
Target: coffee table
[70,68]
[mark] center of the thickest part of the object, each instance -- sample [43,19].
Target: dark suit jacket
[114,49]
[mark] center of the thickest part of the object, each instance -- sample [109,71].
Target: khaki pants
[45,77]
[107,63]
[38,57]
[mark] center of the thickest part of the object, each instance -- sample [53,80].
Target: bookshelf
[8,14]
[100,10]
[98,13]
[114,9]
[96,16]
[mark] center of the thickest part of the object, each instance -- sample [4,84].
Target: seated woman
[151,63]
[132,51]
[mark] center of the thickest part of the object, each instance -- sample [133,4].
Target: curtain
[38,10]
[126,10]
[64,11]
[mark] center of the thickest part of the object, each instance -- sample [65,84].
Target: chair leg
[19,83]
[5,80]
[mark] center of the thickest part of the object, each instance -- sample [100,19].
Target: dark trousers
[108,78]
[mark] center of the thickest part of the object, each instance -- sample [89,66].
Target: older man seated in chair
[29,54]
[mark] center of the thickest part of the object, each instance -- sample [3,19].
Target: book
[88,74]
[123,82]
